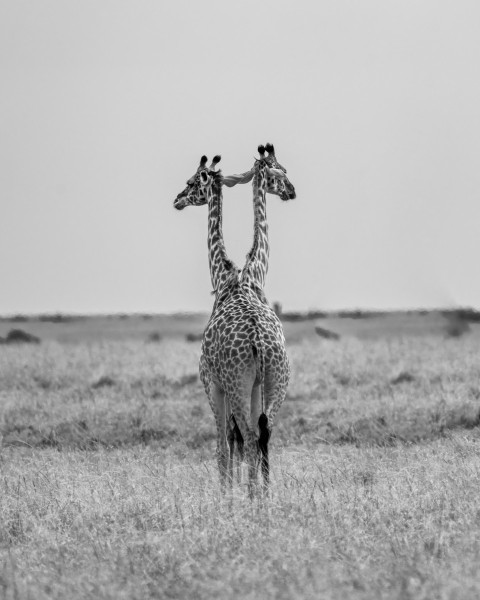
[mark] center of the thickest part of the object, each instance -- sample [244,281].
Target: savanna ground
[109,489]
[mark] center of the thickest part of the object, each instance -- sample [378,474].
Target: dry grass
[108,484]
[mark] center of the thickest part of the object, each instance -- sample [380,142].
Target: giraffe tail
[264,431]
[258,356]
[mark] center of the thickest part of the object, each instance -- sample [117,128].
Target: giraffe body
[245,371]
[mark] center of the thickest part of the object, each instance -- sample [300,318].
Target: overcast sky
[107,106]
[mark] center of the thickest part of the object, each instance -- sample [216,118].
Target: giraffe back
[243,334]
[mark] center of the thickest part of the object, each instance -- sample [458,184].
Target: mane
[260,294]
[231,284]
[217,181]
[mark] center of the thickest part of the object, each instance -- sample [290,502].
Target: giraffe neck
[221,267]
[255,270]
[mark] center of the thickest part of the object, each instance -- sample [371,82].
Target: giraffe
[268,176]
[205,187]
[243,365]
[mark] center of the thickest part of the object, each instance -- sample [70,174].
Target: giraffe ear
[276,172]
[231,180]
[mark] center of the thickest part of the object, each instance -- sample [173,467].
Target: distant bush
[18,319]
[326,333]
[456,326]
[59,318]
[403,377]
[154,337]
[104,381]
[277,308]
[293,317]
[194,337]
[361,314]
[465,314]
[316,314]
[350,314]
[188,379]
[18,336]
[311,315]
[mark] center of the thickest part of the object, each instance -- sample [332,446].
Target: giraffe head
[273,174]
[277,181]
[200,186]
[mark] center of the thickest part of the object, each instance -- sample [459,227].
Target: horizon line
[179,313]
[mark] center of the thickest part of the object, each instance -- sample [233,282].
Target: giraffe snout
[179,202]
[288,193]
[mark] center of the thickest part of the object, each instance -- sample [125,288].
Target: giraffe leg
[238,394]
[231,439]
[231,446]
[260,421]
[217,401]
[240,453]
[256,407]
[250,446]
[252,461]
[275,390]
[237,439]
[239,398]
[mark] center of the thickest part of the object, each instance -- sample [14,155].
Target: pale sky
[107,106]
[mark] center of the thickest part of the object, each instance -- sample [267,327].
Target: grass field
[109,489]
